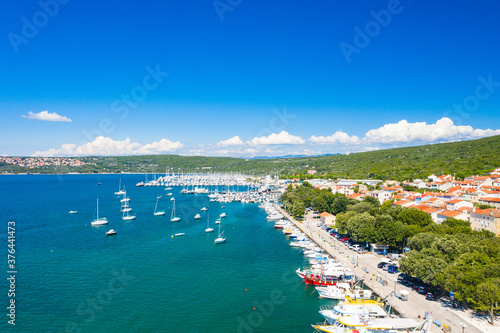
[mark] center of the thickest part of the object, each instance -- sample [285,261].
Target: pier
[365,266]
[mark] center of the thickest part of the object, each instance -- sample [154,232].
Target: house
[485,219]
[446,214]
[455,204]
[357,196]
[403,203]
[381,195]
[311,172]
[495,202]
[327,218]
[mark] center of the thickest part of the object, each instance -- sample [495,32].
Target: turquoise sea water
[71,277]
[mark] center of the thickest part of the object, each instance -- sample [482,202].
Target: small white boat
[127,217]
[158,212]
[172,199]
[204,209]
[208,229]
[222,215]
[169,194]
[174,218]
[73,211]
[221,238]
[98,220]
[197,217]
[180,234]
[217,222]
[111,232]
[168,189]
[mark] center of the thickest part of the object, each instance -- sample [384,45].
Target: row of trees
[467,263]
[449,256]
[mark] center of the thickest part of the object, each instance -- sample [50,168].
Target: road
[365,265]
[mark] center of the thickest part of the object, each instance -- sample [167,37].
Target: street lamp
[463,327]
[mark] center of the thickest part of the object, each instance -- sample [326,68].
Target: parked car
[386,267]
[402,278]
[392,269]
[430,297]
[421,290]
[380,264]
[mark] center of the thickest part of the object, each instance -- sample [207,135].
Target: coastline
[416,305]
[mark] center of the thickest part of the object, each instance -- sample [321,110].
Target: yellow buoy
[172,236]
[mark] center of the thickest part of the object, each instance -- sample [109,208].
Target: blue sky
[245,78]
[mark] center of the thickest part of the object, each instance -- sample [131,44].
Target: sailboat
[221,238]
[197,217]
[127,217]
[120,191]
[125,208]
[99,221]
[174,218]
[158,212]
[208,229]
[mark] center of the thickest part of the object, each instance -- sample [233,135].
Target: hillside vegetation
[463,158]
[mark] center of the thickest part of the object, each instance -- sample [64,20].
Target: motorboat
[111,232]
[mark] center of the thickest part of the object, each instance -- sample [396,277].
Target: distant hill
[462,158]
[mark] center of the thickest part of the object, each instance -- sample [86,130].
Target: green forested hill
[463,158]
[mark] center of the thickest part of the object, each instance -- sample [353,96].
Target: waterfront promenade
[365,265]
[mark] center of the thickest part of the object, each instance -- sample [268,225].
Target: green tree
[488,295]
[339,205]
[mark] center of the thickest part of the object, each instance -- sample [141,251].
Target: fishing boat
[174,218]
[279,224]
[351,307]
[99,220]
[158,212]
[342,290]
[220,238]
[208,229]
[73,212]
[363,324]
[197,217]
[111,232]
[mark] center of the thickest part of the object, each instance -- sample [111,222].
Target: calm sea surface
[71,277]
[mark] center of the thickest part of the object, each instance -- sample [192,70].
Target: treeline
[467,263]
[449,256]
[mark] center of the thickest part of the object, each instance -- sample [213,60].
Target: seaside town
[36,162]
[441,197]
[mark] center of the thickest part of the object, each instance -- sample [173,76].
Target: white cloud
[443,129]
[337,137]
[108,147]
[234,141]
[46,116]
[283,138]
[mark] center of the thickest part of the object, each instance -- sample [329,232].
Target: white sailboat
[221,238]
[98,220]
[158,212]
[127,217]
[197,217]
[174,218]
[222,215]
[208,229]
[120,191]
